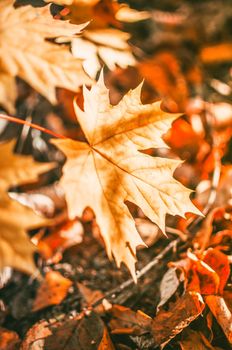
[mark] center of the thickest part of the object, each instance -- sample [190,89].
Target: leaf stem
[32,125]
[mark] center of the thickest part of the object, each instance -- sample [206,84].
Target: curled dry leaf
[52,291]
[110,169]
[167,324]
[168,286]
[212,272]
[26,53]
[16,219]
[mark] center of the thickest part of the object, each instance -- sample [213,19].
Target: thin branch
[117,290]
[32,125]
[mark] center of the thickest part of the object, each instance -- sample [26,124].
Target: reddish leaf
[9,340]
[64,237]
[208,278]
[220,264]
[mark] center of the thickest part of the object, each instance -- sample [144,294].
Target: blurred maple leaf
[109,169]
[103,40]
[26,53]
[15,248]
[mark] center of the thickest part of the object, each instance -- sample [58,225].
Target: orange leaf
[219,262]
[64,237]
[52,290]
[9,340]
[208,278]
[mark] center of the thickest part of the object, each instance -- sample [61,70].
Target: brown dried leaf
[126,321]
[87,333]
[167,324]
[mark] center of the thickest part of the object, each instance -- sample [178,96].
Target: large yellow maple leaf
[108,170]
[26,53]
[16,250]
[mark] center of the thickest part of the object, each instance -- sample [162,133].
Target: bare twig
[32,125]
[117,290]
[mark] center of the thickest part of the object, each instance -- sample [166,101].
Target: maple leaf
[109,169]
[101,43]
[15,219]
[26,53]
